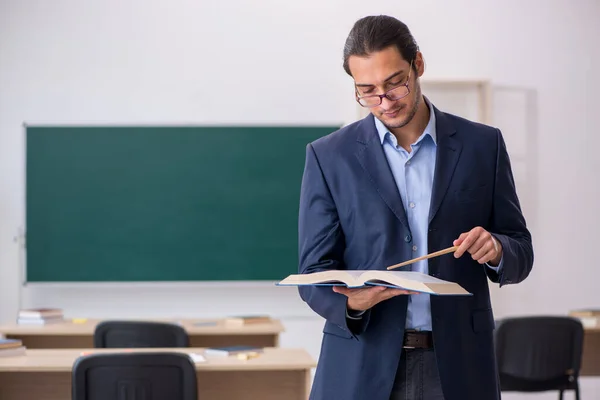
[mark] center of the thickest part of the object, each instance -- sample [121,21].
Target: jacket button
[407,238]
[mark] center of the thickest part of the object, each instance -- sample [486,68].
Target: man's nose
[387,104]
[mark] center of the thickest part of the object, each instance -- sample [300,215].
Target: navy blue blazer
[352,217]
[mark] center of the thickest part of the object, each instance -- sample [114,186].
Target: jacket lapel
[448,152]
[372,159]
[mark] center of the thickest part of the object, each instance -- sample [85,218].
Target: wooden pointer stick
[437,253]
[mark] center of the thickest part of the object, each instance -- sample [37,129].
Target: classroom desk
[278,373]
[590,361]
[70,335]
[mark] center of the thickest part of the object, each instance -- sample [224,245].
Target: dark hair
[375,33]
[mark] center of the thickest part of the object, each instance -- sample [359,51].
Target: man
[404,181]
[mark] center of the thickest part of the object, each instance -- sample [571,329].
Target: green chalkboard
[217,203]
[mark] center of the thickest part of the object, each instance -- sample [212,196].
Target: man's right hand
[364,298]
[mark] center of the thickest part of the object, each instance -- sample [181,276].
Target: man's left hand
[482,246]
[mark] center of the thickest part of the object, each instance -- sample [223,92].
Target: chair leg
[577,391]
[560,394]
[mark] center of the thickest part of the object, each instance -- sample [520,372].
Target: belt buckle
[410,331]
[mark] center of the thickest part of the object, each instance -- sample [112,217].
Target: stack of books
[40,316]
[11,348]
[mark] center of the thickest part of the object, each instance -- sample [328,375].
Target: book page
[323,277]
[414,281]
[356,274]
[402,279]
[412,275]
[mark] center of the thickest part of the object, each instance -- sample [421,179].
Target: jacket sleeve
[321,246]
[508,224]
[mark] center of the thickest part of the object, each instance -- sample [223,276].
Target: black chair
[134,376]
[536,354]
[138,334]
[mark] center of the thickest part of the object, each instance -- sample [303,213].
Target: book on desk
[40,316]
[11,348]
[242,320]
[231,350]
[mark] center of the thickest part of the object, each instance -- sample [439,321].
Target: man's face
[382,71]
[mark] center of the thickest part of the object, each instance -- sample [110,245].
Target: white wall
[257,61]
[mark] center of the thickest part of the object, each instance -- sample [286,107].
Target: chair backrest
[539,348]
[134,376]
[138,334]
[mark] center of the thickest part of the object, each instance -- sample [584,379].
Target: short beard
[412,112]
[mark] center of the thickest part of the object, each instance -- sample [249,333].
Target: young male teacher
[407,180]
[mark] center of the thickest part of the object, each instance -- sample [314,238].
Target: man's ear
[419,63]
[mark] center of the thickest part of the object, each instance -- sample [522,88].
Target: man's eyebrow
[395,74]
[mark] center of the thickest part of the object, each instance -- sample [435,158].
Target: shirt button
[412,205]
[408,162]
[414,248]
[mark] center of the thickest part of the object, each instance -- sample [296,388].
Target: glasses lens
[369,101]
[397,93]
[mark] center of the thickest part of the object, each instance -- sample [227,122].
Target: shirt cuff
[354,314]
[499,267]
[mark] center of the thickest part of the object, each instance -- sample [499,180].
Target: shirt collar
[430,130]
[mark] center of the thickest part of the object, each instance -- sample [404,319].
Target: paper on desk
[589,322]
[197,358]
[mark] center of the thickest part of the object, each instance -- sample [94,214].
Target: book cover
[10,343]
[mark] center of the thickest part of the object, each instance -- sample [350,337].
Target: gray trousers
[417,376]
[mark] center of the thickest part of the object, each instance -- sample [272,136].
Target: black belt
[418,340]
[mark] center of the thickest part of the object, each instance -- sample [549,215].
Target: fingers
[356,291]
[383,292]
[479,243]
[491,252]
[481,247]
[341,290]
[460,239]
[390,292]
[395,292]
[487,257]
[466,240]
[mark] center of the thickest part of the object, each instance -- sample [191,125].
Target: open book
[407,280]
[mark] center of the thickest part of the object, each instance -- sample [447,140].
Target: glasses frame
[381,96]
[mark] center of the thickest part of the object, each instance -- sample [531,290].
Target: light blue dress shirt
[413,173]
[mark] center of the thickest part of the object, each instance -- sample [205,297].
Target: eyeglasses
[393,94]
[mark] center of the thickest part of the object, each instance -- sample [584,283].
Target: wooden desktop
[202,333]
[278,373]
